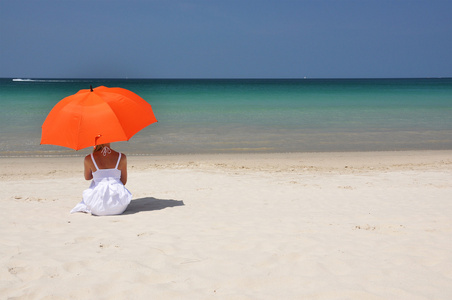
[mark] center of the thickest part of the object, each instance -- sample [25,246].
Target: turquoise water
[229,116]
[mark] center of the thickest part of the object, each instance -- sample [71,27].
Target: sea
[209,116]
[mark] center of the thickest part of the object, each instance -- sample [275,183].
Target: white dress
[106,195]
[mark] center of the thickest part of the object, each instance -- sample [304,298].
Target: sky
[225,38]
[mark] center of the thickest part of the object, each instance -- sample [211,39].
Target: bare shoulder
[88,161]
[123,161]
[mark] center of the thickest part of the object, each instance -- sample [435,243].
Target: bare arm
[123,168]
[88,171]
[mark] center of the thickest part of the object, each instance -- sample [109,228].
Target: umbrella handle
[95,139]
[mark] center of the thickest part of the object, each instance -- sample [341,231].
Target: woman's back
[105,173]
[109,161]
[106,159]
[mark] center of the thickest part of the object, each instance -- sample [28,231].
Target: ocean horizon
[248,115]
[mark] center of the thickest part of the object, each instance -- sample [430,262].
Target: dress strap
[92,157]
[119,158]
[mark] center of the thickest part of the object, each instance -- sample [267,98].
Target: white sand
[265,226]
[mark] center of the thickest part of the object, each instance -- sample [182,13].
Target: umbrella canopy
[96,116]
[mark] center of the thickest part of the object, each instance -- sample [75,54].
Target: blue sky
[225,39]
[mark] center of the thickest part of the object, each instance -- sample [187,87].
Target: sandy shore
[371,225]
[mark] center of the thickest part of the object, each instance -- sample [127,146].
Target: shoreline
[372,146]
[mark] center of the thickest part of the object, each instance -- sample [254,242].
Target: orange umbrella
[96,116]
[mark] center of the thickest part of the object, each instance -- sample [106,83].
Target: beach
[331,225]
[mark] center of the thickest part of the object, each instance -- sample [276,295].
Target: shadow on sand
[149,204]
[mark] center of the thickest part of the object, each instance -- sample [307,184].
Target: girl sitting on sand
[107,194]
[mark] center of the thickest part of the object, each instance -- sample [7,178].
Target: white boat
[20,79]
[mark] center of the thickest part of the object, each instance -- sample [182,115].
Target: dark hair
[98,147]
